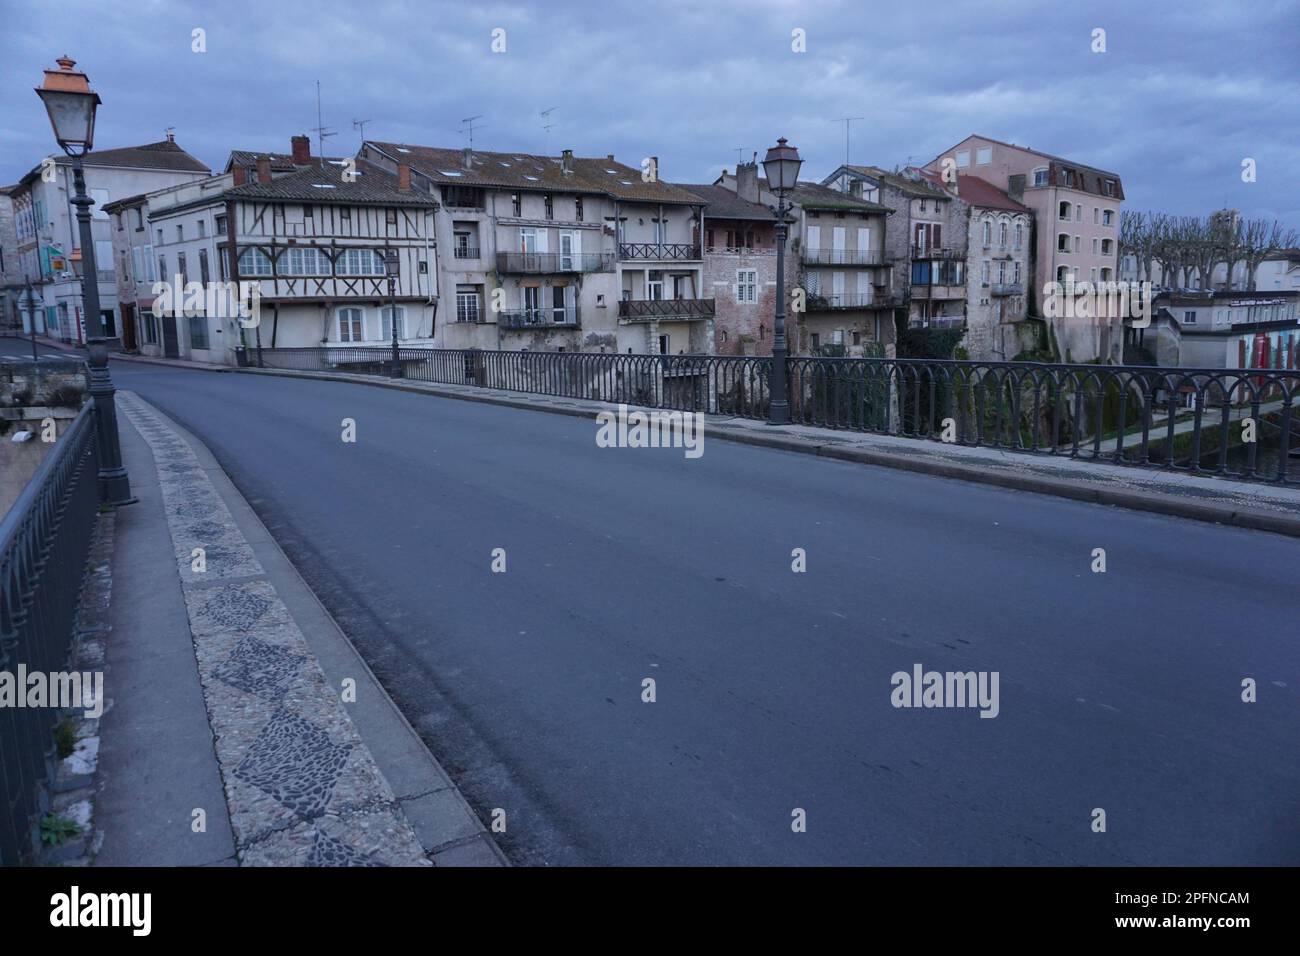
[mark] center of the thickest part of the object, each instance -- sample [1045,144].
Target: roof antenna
[360,126]
[469,127]
[548,126]
[739,151]
[322,131]
[846,120]
[171,134]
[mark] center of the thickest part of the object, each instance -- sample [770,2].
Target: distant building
[1224,329]
[49,241]
[11,276]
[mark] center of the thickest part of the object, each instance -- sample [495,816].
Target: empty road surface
[1118,691]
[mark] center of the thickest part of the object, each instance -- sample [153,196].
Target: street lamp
[71,104]
[31,317]
[781,166]
[390,267]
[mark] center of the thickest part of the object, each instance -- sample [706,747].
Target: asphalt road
[1119,691]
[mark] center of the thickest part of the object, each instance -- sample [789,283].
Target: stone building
[925,239]
[999,241]
[11,274]
[740,265]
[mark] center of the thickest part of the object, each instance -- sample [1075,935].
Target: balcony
[659,251]
[533,319]
[938,291]
[857,300]
[665,310]
[466,252]
[547,263]
[844,257]
[1008,288]
[930,252]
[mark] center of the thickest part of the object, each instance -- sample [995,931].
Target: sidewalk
[233,692]
[1259,505]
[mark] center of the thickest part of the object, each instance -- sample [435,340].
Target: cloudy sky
[1183,93]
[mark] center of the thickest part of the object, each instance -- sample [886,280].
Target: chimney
[467,157]
[301,150]
[566,161]
[747,181]
[404,177]
[171,135]
[264,169]
[855,188]
[239,175]
[610,157]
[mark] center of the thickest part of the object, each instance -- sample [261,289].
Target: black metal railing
[666,310]
[541,263]
[844,257]
[45,542]
[934,252]
[465,252]
[854,300]
[663,251]
[539,318]
[1008,288]
[1192,420]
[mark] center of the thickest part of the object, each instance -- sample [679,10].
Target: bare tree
[1262,239]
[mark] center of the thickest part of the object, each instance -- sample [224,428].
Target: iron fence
[45,542]
[1238,423]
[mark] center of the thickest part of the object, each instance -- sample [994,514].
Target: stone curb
[1136,500]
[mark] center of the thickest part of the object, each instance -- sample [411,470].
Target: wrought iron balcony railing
[543,263]
[466,252]
[539,318]
[661,251]
[932,252]
[857,300]
[669,310]
[1008,288]
[844,257]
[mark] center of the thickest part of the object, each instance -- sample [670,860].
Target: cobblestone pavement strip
[301,785]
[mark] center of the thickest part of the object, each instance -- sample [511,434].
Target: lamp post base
[779,413]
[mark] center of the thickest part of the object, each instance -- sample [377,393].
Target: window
[162,268]
[517,204]
[1108,187]
[577,209]
[360,262]
[147,255]
[1063,242]
[1106,247]
[922,205]
[180,232]
[983,155]
[1002,234]
[392,217]
[1108,217]
[527,240]
[204,275]
[221,225]
[1015,272]
[1002,271]
[198,331]
[254,262]
[1094,245]
[1189,318]
[351,325]
[149,327]
[181,268]
[304,261]
[1040,176]
[747,285]
[139,218]
[550,206]
[984,271]
[1096,215]
[1063,213]
[386,321]
[203,229]
[160,237]
[1019,235]
[988,234]
[963,158]
[307,212]
[467,306]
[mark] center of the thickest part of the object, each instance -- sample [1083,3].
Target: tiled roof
[910,187]
[978,192]
[817,196]
[1091,176]
[117,204]
[532,172]
[164,155]
[280,162]
[324,184]
[724,204]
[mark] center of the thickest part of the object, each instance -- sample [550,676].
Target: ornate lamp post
[390,267]
[781,166]
[71,104]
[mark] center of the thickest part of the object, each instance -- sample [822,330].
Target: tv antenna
[548,126]
[322,131]
[847,120]
[740,154]
[469,127]
[360,127]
